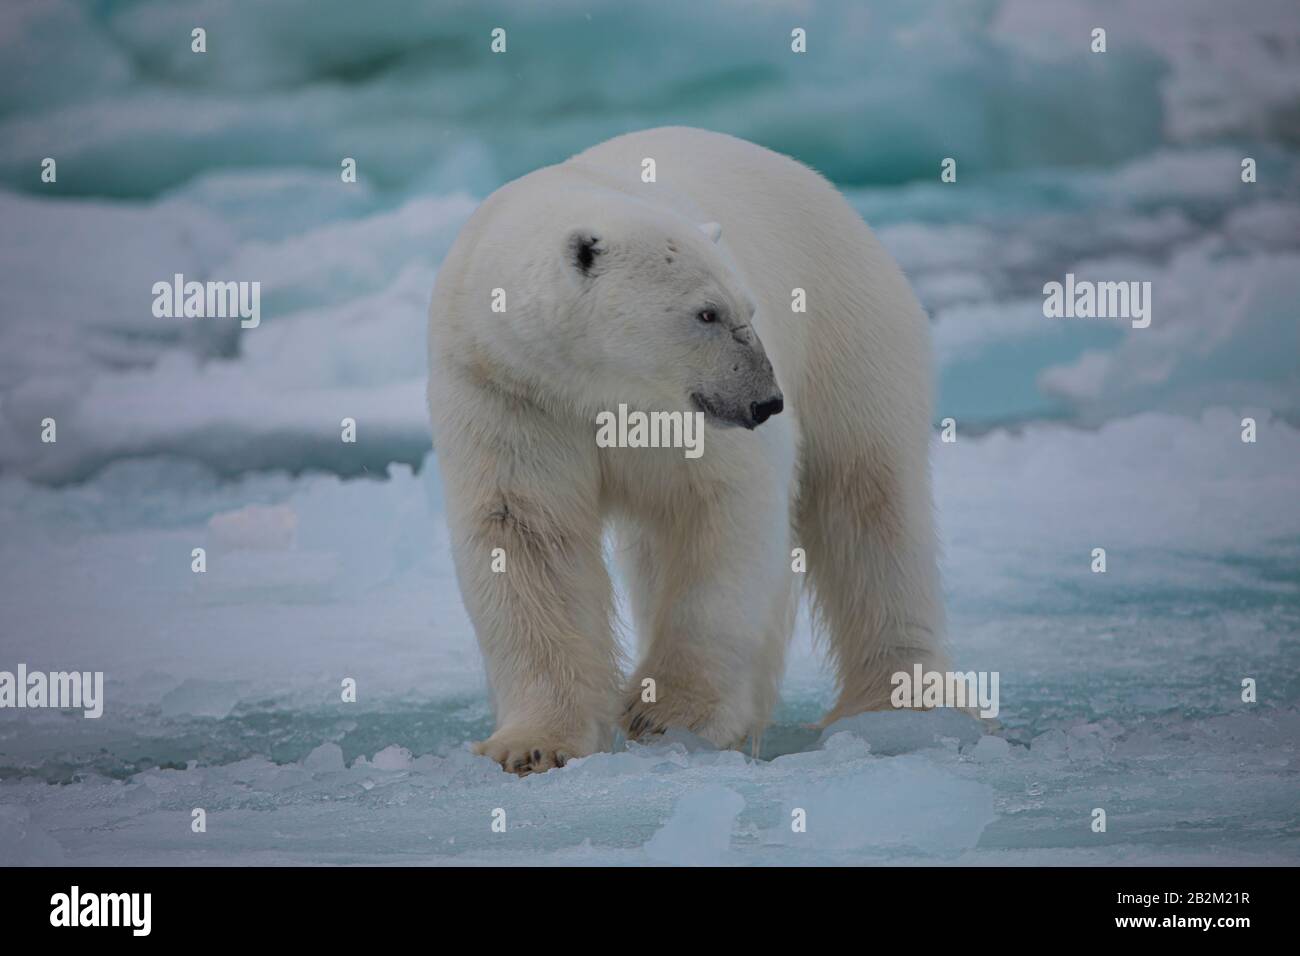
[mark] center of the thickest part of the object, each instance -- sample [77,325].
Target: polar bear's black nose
[762,411]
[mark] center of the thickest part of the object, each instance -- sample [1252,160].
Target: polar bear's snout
[745,394]
[760,412]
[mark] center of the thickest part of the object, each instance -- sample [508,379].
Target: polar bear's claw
[523,760]
[642,725]
[698,714]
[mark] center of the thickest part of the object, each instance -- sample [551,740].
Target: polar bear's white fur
[618,291]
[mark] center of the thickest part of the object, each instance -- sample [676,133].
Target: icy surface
[328,561]
[1119,691]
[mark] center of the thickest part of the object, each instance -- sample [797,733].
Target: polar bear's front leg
[527,545]
[714,601]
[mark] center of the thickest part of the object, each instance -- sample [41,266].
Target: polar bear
[592,284]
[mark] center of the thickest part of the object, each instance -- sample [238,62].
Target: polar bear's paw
[873,689]
[851,708]
[644,719]
[522,753]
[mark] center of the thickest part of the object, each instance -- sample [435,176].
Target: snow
[1119,690]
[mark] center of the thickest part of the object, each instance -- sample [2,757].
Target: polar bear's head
[663,314]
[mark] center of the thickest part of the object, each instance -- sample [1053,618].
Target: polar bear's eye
[707,315]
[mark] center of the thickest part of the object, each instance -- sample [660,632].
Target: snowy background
[326,560]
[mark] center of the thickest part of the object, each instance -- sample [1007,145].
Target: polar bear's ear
[585,250]
[712,229]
